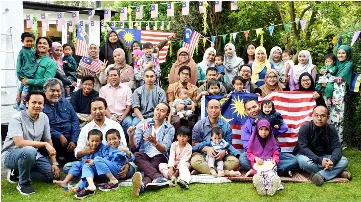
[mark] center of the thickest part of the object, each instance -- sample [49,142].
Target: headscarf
[205,63]
[59,61]
[139,44]
[262,147]
[312,86]
[231,63]
[122,53]
[258,66]
[267,89]
[345,67]
[138,52]
[300,68]
[173,74]
[108,48]
[277,65]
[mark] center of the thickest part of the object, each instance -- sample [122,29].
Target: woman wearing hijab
[341,83]
[126,71]
[183,59]
[208,61]
[272,83]
[307,84]
[231,63]
[304,65]
[93,53]
[249,53]
[275,58]
[113,42]
[260,66]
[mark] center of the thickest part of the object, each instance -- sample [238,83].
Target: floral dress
[338,108]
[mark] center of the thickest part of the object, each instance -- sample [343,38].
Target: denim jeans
[126,123]
[24,159]
[135,121]
[287,162]
[309,166]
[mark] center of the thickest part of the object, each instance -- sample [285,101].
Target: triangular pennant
[334,40]
[180,43]
[246,33]
[234,35]
[258,31]
[270,29]
[224,38]
[303,24]
[204,42]
[355,37]
[287,27]
[213,39]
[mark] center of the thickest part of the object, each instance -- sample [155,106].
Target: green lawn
[210,192]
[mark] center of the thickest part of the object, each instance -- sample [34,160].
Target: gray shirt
[21,124]
[146,100]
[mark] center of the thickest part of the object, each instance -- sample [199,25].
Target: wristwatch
[55,164]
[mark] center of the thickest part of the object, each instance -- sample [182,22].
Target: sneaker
[84,193]
[275,185]
[160,180]
[13,175]
[158,183]
[25,189]
[258,184]
[182,184]
[109,186]
[317,179]
[346,174]
[137,184]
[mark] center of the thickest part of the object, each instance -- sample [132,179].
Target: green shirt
[46,69]
[331,69]
[26,63]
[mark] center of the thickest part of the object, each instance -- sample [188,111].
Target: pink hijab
[59,61]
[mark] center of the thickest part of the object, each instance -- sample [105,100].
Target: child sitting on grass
[180,154]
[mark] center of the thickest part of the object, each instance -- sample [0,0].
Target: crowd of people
[120,124]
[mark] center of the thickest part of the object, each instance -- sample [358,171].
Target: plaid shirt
[172,89]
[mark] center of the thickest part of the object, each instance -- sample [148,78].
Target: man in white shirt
[98,107]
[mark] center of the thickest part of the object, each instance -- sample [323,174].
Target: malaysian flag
[234,5]
[185,8]
[92,27]
[155,26]
[162,25]
[218,6]
[44,22]
[170,9]
[123,14]
[139,12]
[60,22]
[147,26]
[75,17]
[294,106]
[201,7]
[91,14]
[190,40]
[90,64]
[82,27]
[29,21]
[154,37]
[81,47]
[154,10]
[121,24]
[107,15]
[70,27]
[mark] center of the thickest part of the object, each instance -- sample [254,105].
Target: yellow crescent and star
[237,107]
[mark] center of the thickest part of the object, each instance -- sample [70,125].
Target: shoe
[84,193]
[258,184]
[317,179]
[25,189]
[346,174]
[182,184]
[275,185]
[13,175]
[158,183]
[137,184]
[160,180]
[109,186]
[220,173]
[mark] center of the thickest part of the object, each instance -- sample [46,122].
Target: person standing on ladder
[25,68]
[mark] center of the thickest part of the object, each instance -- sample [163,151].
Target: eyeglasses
[183,54]
[185,74]
[322,116]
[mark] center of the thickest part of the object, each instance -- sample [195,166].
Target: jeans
[24,159]
[23,92]
[126,123]
[135,121]
[287,162]
[149,166]
[309,166]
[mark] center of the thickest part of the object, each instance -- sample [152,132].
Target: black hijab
[106,50]
[320,100]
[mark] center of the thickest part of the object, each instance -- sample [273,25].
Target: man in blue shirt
[201,134]
[64,123]
[287,162]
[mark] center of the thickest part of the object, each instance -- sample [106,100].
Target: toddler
[26,67]
[69,64]
[325,81]
[287,56]
[180,154]
[213,88]
[183,99]
[264,156]
[269,112]
[220,67]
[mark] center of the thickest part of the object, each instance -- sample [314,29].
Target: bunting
[139,12]
[234,5]
[154,11]
[355,37]
[303,24]
[270,29]
[218,6]
[170,9]
[29,21]
[91,14]
[107,15]
[185,8]
[75,17]
[123,14]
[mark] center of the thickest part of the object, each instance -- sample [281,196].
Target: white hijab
[231,63]
[301,68]
[205,63]
[277,65]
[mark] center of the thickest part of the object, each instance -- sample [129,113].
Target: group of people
[121,124]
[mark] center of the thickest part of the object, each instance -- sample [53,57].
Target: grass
[209,192]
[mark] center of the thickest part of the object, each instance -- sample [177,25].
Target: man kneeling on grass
[28,136]
[152,139]
[319,150]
